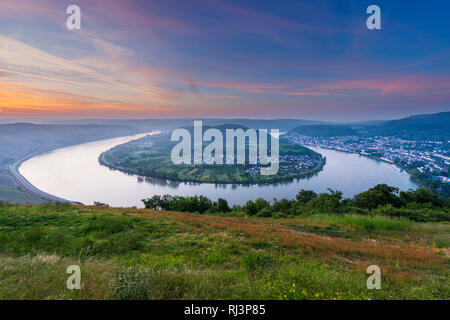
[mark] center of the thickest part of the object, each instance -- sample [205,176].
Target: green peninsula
[151,157]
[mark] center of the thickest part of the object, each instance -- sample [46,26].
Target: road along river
[74,173]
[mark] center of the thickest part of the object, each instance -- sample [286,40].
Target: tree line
[417,205]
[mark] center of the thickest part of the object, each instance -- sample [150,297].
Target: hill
[324,130]
[281,124]
[170,124]
[420,127]
[148,254]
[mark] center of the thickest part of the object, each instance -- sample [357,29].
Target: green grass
[366,223]
[10,193]
[144,254]
[70,232]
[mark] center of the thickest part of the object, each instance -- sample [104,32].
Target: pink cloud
[242,86]
[413,85]
[29,7]
[308,93]
[126,12]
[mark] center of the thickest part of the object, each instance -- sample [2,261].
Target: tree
[250,208]
[326,203]
[261,203]
[100,204]
[335,194]
[284,205]
[422,196]
[305,196]
[152,203]
[204,204]
[166,202]
[264,213]
[381,194]
[222,205]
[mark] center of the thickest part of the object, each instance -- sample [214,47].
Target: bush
[222,205]
[421,196]
[278,215]
[356,210]
[417,205]
[101,204]
[250,208]
[130,284]
[264,213]
[419,215]
[305,196]
[326,203]
[137,283]
[381,194]
[255,260]
[236,214]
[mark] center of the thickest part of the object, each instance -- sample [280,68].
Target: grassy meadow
[150,254]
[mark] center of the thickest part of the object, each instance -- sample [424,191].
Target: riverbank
[19,141]
[357,154]
[23,184]
[423,182]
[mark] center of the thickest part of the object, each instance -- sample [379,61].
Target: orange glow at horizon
[22,100]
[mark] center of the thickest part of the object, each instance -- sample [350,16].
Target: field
[149,254]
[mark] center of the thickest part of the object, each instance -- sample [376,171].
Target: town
[258,145]
[428,157]
[294,165]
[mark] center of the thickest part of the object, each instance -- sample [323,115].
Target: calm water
[74,173]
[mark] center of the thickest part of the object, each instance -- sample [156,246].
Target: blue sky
[198,59]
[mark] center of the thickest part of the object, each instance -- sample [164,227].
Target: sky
[224,59]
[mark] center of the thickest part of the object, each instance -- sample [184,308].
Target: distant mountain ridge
[419,127]
[20,139]
[323,130]
[170,124]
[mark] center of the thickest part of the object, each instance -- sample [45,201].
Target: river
[74,173]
